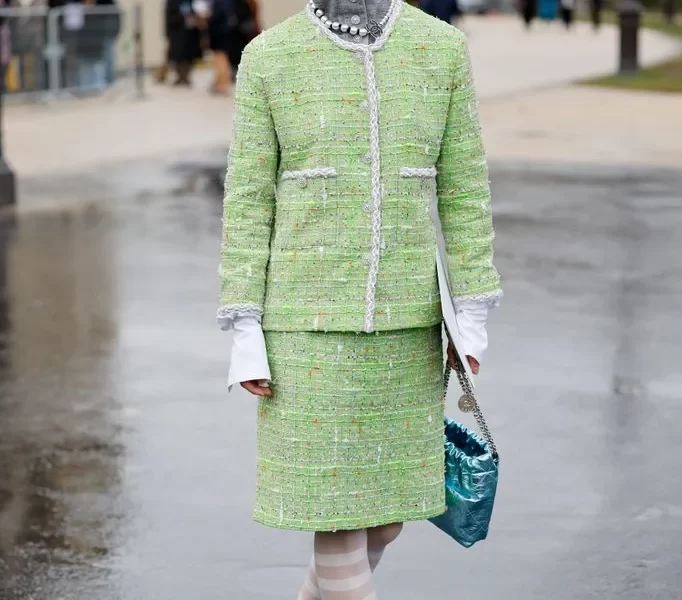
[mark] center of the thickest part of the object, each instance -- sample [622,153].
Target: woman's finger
[452,360]
[474,364]
[255,388]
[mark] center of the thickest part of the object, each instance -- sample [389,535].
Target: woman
[351,118]
[232,25]
[184,40]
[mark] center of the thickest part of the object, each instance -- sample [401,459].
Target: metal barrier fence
[73,51]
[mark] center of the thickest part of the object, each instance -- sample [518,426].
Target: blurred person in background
[110,30]
[528,10]
[596,7]
[445,10]
[96,44]
[184,40]
[232,25]
[548,10]
[567,8]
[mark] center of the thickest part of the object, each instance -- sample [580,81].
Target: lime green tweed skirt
[353,436]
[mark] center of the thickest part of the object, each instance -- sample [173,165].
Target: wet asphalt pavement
[127,472]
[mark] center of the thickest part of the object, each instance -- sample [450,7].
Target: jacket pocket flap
[304,174]
[422,172]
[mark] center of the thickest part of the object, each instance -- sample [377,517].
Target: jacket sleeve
[464,192]
[249,203]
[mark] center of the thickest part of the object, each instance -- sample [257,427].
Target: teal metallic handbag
[471,471]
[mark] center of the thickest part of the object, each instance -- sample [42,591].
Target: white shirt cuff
[249,360]
[472,318]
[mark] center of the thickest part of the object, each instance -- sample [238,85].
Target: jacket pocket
[304,175]
[420,182]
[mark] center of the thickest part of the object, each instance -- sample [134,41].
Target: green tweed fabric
[310,203]
[353,436]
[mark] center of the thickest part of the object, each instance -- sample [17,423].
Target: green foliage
[666,77]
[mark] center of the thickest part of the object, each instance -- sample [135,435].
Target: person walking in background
[95,44]
[110,30]
[567,8]
[548,10]
[184,40]
[232,25]
[528,10]
[596,7]
[445,10]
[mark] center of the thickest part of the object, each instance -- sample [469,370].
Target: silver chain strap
[468,403]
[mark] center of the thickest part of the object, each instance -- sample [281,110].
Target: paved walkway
[509,63]
[127,472]
[580,124]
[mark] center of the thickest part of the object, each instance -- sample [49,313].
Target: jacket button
[302,182]
[366,207]
[364,105]
[367,157]
[367,259]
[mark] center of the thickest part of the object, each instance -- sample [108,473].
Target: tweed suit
[340,150]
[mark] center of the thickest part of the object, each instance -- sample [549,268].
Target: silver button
[366,207]
[302,182]
[367,259]
[364,105]
[357,39]
[367,157]
[355,19]
[359,56]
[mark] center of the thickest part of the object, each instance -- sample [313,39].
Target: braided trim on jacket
[375,157]
[227,315]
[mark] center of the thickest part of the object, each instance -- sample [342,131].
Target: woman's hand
[452,360]
[256,387]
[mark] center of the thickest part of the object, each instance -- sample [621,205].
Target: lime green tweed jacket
[340,148]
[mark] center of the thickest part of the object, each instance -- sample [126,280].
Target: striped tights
[343,563]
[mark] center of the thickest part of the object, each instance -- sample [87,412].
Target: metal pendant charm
[467,403]
[374,29]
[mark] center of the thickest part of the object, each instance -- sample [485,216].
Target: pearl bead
[324,20]
[336,25]
[345,28]
[363,32]
[319,13]
[353,30]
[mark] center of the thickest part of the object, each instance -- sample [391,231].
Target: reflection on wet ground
[127,473]
[60,448]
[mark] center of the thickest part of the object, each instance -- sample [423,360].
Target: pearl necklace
[373,28]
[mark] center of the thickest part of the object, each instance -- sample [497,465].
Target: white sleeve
[472,317]
[249,359]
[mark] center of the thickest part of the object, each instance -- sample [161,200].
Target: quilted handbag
[471,472]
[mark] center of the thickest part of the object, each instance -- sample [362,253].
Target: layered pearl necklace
[373,28]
